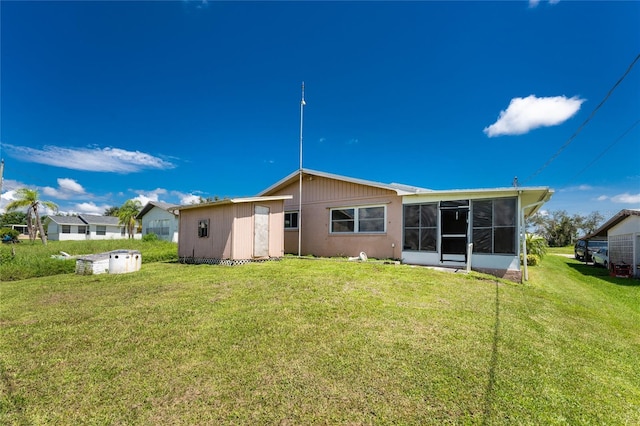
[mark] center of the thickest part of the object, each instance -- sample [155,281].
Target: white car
[601,257]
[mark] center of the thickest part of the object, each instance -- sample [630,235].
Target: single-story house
[156,218]
[343,216]
[232,231]
[623,234]
[84,227]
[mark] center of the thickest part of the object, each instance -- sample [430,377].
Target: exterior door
[261,232]
[454,225]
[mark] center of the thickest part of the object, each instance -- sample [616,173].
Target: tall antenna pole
[302,104]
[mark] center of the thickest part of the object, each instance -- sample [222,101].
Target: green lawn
[300,342]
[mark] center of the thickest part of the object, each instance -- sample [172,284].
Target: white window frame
[356,219]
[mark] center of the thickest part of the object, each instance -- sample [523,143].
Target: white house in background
[623,235]
[157,219]
[84,227]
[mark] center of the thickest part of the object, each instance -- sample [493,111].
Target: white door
[261,232]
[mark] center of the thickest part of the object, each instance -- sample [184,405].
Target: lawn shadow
[588,269]
[488,395]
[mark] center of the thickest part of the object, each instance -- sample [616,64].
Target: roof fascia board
[234,201]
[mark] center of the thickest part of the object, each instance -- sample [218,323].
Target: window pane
[344,214]
[457,203]
[342,220]
[343,226]
[428,239]
[504,212]
[371,225]
[505,240]
[428,215]
[66,229]
[371,213]
[411,238]
[482,240]
[482,214]
[412,216]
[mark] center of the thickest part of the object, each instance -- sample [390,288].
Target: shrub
[536,245]
[12,233]
[532,259]
[150,237]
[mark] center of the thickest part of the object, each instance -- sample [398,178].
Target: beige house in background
[343,216]
[232,231]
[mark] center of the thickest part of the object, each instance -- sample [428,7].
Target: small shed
[232,231]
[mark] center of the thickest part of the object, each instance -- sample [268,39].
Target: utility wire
[618,139]
[573,136]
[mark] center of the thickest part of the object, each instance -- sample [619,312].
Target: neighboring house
[232,231]
[22,229]
[343,216]
[623,235]
[157,219]
[84,227]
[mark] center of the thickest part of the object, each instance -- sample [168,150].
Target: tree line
[560,229]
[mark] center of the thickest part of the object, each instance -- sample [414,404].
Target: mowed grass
[301,342]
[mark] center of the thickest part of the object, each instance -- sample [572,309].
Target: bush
[12,233]
[536,245]
[150,237]
[532,259]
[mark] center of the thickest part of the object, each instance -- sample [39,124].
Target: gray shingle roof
[99,220]
[67,220]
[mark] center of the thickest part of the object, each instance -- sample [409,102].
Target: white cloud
[626,198]
[67,188]
[90,159]
[89,208]
[70,185]
[145,196]
[189,199]
[577,188]
[534,3]
[6,198]
[525,114]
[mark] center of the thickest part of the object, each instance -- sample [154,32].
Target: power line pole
[1,174]
[302,104]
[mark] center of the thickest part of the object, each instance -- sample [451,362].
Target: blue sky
[107,101]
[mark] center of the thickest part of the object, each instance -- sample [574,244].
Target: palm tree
[30,198]
[127,215]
